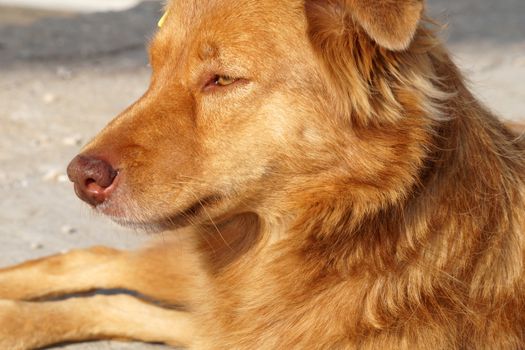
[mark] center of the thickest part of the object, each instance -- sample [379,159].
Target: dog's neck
[448,210]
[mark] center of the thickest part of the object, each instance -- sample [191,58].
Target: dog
[324,180]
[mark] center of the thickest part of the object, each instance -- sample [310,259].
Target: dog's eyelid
[221,81]
[224,80]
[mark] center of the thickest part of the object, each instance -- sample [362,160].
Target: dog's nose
[92,178]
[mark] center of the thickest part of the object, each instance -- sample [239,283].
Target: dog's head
[254,102]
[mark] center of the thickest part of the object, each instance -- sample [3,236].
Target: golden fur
[346,191]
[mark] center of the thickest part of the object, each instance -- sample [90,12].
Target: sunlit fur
[351,192]
[385,210]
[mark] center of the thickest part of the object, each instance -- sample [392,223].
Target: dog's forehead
[207,26]
[191,13]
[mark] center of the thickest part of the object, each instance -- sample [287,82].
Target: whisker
[211,220]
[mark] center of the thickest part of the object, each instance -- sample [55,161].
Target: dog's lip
[180,219]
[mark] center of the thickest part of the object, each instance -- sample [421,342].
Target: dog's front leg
[33,325]
[165,272]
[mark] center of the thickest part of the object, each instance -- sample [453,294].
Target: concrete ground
[63,76]
[73,5]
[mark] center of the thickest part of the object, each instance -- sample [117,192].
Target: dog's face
[240,106]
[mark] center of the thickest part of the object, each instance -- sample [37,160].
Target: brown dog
[329,180]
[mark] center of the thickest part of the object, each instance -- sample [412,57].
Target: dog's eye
[222,80]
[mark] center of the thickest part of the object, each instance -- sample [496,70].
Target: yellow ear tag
[163,19]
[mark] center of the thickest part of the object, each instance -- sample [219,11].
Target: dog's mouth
[196,213]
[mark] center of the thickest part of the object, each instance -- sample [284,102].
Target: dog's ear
[390,23]
[361,43]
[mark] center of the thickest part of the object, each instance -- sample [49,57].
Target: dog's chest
[274,307]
